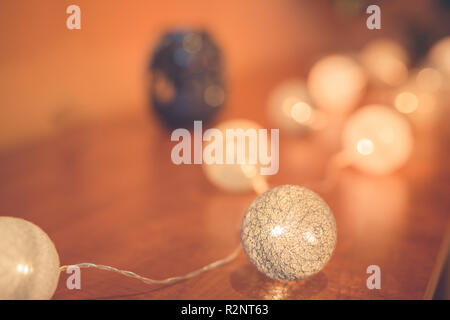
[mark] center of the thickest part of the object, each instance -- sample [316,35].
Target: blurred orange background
[53,78]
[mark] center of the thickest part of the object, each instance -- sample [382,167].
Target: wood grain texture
[108,193]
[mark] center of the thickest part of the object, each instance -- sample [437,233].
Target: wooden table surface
[108,193]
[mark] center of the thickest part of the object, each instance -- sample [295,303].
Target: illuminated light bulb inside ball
[291,109]
[386,61]
[289,233]
[377,139]
[236,176]
[439,56]
[365,146]
[277,231]
[29,263]
[336,83]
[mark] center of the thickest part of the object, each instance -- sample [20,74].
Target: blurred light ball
[336,83]
[234,177]
[291,109]
[420,98]
[386,61]
[289,233]
[377,139]
[439,56]
[29,263]
[406,102]
[429,80]
[186,78]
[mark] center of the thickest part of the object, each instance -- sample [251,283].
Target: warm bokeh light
[439,55]
[377,139]
[164,89]
[192,43]
[386,61]
[214,96]
[336,83]
[406,102]
[291,109]
[301,112]
[427,110]
[421,97]
[235,177]
[429,80]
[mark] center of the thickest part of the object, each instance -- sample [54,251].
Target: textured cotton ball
[29,263]
[235,177]
[377,139]
[386,61]
[336,83]
[290,107]
[289,233]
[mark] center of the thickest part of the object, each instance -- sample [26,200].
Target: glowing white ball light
[29,263]
[289,233]
[336,83]
[235,177]
[377,139]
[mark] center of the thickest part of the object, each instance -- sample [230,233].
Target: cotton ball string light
[336,83]
[377,139]
[291,108]
[29,263]
[236,177]
[288,233]
[386,61]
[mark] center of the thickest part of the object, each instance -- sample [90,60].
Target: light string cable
[259,187]
[170,280]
